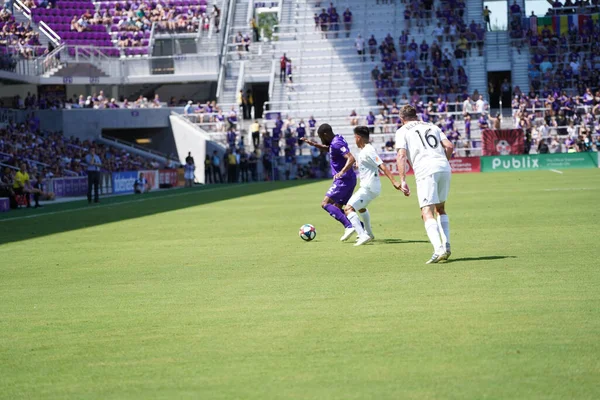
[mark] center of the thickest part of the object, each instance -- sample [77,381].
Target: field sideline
[210,293]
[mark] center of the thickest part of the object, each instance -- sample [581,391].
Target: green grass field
[211,294]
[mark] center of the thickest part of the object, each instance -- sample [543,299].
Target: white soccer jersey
[423,144]
[368,168]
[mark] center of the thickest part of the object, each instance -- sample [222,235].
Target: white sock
[444,223]
[353,217]
[366,217]
[432,229]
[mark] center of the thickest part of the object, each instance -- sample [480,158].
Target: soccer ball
[307,232]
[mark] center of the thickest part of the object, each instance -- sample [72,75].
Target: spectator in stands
[347,22]
[359,43]
[216,14]
[255,132]
[282,68]
[93,171]
[486,18]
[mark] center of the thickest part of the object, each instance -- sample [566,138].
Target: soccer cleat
[347,233]
[362,240]
[436,258]
[448,252]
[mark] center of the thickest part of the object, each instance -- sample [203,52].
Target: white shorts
[433,189]
[361,198]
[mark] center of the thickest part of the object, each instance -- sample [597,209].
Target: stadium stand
[54,155]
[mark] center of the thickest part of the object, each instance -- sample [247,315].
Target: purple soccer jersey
[341,189]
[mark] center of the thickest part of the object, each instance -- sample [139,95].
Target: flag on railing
[543,23]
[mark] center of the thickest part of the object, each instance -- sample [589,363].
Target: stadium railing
[222,56]
[575,10]
[123,68]
[44,28]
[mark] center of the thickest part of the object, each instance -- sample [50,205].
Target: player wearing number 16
[429,151]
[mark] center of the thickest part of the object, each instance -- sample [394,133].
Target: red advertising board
[167,177]
[465,164]
[502,142]
[458,164]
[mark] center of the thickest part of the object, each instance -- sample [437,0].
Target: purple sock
[338,214]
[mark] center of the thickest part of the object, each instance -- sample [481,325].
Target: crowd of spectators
[328,21]
[95,101]
[567,61]
[559,121]
[54,155]
[20,37]
[569,7]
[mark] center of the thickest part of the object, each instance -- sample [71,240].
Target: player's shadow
[484,258]
[399,241]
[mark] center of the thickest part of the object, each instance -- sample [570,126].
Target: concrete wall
[88,124]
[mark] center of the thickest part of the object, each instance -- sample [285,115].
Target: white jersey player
[429,152]
[369,165]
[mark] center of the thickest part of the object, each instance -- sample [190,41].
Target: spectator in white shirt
[467,106]
[359,43]
[480,105]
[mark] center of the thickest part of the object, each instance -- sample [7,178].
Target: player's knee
[348,209]
[362,210]
[440,209]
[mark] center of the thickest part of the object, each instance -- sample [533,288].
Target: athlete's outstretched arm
[401,162]
[350,160]
[388,173]
[314,144]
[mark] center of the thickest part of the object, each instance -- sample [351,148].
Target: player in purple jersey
[344,178]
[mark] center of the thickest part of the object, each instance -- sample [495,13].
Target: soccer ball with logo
[307,232]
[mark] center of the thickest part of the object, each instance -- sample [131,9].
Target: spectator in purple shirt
[424,51]
[372,47]
[334,20]
[347,21]
[371,122]
[515,9]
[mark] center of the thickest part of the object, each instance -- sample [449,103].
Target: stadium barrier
[458,164]
[534,162]
[167,178]
[4,204]
[69,187]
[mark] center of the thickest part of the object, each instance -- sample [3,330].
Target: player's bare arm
[448,148]
[401,160]
[388,173]
[314,144]
[350,160]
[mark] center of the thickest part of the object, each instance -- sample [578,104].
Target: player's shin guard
[366,217]
[338,214]
[353,217]
[433,232]
[444,223]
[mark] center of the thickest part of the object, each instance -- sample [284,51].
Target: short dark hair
[408,112]
[362,131]
[325,129]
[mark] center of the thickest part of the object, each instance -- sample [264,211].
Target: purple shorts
[341,189]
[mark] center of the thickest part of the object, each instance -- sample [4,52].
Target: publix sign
[538,161]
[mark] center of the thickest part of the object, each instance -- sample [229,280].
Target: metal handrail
[151,39]
[272,78]
[135,146]
[50,34]
[221,78]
